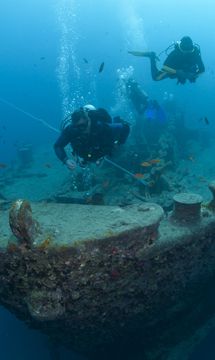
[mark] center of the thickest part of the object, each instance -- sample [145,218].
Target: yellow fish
[145,164]
[154,161]
[139,176]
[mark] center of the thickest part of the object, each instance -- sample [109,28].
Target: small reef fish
[45,244]
[139,176]
[42,58]
[85,60]
[150,162]
[191,158]
[3,166]
[48,166]
[205,120]
[101,67]
[145,164]
[154,161]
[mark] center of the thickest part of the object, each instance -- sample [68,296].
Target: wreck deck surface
[67,223]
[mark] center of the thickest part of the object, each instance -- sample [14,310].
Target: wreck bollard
[187,207]
[22,224]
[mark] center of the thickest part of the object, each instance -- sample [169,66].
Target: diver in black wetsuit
[150,116]
[183,63]
[136,95]
[92,135]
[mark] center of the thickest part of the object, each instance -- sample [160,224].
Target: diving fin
[149,54]
[137,53]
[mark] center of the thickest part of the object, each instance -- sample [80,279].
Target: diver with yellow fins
[183,63]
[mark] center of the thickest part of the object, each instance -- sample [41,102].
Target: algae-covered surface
[65,224]
[120,284]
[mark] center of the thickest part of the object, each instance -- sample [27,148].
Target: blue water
[18,342]
[42,71]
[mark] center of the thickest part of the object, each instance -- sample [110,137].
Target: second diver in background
[183,63]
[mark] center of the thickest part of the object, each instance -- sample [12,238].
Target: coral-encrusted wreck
[109,282]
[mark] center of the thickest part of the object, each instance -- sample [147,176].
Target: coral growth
[22,224]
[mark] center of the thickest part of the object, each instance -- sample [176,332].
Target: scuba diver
[183,63]
[150,117]
[92,135]
[142,104]
[136,95]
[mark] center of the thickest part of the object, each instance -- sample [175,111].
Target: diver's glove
[182,76]
[191,76]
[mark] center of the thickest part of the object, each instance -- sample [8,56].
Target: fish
[85,60]
[205,120]
[145,164]
[191,158]
[139,176]
[42,58]
[48,166]
[45,244]
[3,165]
[154,161]
[101,67]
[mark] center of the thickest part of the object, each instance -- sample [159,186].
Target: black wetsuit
[138,98]
[189,62]
[98,143]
